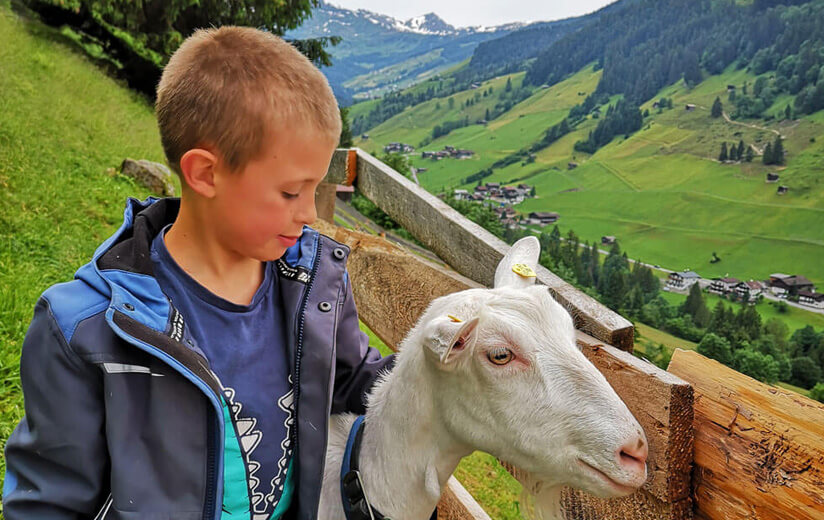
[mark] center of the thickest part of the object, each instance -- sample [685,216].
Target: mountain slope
[661,191]
[379,53]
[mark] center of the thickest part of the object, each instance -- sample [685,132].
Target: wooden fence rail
[465,246]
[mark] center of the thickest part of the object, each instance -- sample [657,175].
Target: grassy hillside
[661,191]
[64,123]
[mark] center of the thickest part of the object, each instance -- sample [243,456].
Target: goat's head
[509,379]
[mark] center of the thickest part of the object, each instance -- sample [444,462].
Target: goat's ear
[518,266]
[447,337]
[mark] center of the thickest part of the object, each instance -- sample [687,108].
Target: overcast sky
[461,13]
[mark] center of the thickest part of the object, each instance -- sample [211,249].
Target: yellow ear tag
[453,318]
[523,270]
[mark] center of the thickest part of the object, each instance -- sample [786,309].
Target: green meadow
[661,191]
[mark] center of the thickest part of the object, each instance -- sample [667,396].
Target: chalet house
[475,85]
[749,291]
[724,285]
[509,223]
[682,280]
[572,165]
[422,170]
[772,177]
[448,148]
[656,105]
[730,88]
[461,194]
[690,107]
[463,154]
[783,285]
[811,299]
[398,148]
[477,197]
[526,187]
[542,218]
[783,189]
[364,136]
[607,240]
[482,121]
[481,189]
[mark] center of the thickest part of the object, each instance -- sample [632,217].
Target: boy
[189,370]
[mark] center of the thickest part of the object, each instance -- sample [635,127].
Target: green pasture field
[661,191]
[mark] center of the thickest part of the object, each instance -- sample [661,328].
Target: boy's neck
[198,252]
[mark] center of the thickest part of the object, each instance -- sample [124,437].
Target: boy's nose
[308,213]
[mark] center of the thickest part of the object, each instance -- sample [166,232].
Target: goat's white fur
[543,413]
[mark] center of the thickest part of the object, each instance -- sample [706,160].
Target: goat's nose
[633,455]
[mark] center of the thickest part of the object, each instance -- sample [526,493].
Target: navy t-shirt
[246,348]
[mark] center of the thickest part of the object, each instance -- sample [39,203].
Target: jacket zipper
[299,347]
[209,507]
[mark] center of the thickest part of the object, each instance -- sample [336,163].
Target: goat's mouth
[616,487]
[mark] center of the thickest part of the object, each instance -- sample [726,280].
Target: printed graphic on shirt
[249,438]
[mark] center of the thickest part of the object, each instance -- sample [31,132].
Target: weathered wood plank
[662,404]
[325,201]
[464,245]
[393,288]
[759,450]
[457,504]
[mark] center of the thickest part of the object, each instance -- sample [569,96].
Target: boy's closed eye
[287,195]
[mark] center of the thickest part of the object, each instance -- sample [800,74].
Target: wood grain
[759,450]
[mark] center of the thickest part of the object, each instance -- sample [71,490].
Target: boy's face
[261,211]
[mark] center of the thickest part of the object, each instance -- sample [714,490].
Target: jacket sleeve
[357,365]
[56,458]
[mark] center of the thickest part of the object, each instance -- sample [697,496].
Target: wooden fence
[392,288]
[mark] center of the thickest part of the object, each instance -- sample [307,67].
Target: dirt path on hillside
[728,120]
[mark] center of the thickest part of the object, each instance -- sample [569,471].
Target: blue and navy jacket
[124,418]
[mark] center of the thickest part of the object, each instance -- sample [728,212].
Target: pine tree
[768,154]
[723,156]
[486,115]
[740,153]
[778,151]
[788,113]
[733,156]
[750,154]
[717,108]
[508,87]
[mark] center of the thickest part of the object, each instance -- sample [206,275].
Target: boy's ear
[198,167]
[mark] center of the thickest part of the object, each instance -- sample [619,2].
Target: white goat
[496,370]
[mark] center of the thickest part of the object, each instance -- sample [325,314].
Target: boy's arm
[357,364]
[56,458]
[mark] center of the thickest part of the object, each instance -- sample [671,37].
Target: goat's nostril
[634,454]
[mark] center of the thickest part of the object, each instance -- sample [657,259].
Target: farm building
[682,280]
[811,299]
[749,291]
[607,240]
[542,218]
[783,285]
[724,285]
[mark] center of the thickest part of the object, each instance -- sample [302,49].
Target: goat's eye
[500,356]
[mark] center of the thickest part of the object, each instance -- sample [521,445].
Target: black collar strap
[355,503]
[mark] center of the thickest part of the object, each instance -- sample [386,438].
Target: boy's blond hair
[231,87]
